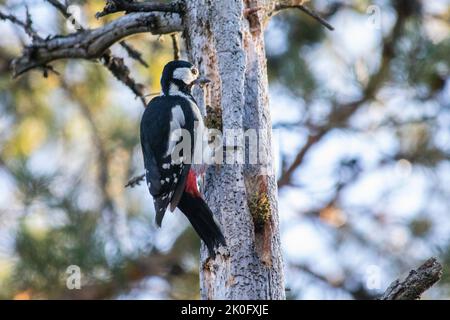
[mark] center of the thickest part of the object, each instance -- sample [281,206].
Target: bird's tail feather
[202,219]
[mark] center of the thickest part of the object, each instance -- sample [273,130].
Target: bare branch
[416,283]
[114,64]
[61,8]
[122,73]
[176,47]
[113,6]
[308,11]
[135,181]
[133,53]
[26,26]
[152,94]
[93,43]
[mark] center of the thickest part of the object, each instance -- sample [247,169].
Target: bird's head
[180,76]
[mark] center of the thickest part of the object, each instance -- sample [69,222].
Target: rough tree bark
[225,39]
[416,283]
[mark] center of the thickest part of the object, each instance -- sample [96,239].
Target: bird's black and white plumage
[170,178]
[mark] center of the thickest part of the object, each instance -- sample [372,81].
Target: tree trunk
[225,40]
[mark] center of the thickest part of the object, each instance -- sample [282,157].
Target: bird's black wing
[165,177]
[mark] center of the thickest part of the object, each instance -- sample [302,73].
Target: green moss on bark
[213,119]
[259,206]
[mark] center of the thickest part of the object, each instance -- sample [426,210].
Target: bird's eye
[194,71]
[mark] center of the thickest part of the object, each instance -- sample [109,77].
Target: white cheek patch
[174,91]
[184,74]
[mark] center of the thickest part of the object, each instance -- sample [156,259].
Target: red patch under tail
[191,184]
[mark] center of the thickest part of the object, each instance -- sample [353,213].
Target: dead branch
[308,11]
[113,6]
[133,53]
[416,283]
[176,47]
[26,26]
[61,8]
[135,181]
[91,44]
[121,72]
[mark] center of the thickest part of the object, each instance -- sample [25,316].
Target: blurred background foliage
[361,119]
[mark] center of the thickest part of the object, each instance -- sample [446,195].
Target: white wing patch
[176,122]
[202,152]
[184,74]
[166,166]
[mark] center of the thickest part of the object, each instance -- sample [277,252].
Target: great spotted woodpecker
[170,177]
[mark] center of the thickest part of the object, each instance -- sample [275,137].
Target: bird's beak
[201,81]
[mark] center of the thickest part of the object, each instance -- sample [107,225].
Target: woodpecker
[171,178]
